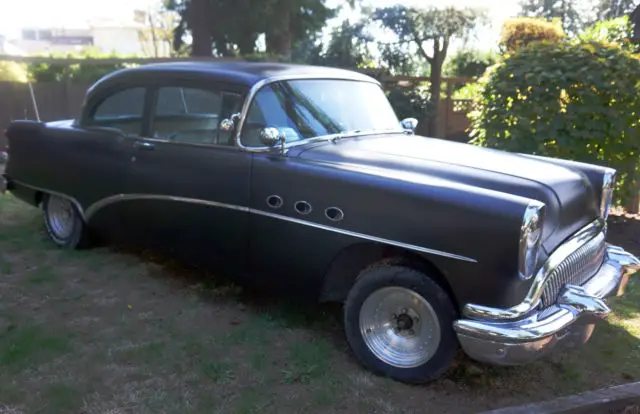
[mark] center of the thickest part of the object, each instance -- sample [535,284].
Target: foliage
[469,63]
[231,27]
[12,72]
[569,100]
[471,90]
[430,28]
[522,31]
[410,101]
[617,31]
[80,72]
[612,9]
[348,46]
[567,12]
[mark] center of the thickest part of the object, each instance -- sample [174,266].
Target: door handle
[144,145]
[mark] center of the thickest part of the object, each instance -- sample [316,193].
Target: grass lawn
[106,331]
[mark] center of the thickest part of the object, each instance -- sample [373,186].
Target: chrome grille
[576,269]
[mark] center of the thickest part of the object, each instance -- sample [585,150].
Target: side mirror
[409,124]
[228,124]
[271,136]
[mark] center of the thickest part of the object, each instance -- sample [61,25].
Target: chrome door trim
[92,209]
[65,196]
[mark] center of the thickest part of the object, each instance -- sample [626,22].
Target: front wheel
[399,323]
[63,222]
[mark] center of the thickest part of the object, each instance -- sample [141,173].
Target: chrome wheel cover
[399,327]
[60,215]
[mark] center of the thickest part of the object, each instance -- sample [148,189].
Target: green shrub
[410,101]
[577,101]
[80,72]
[12,72]
[521,31]
[469,63]
[618,31]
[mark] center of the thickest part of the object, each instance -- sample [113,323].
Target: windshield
[310,108]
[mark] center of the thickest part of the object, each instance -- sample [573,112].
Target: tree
[612,9]
[564,10]
[430,31]
[469,63]
[617,31]
[156,35]
[231,27]
[349,46]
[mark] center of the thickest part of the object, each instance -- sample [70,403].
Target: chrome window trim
[187,144]
[267,81]
[534,295]
[95,207]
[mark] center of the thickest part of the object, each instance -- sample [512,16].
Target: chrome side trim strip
[100,204]
[46,191]
[532,299]
[126,197]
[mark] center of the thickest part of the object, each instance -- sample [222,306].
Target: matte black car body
[311,217]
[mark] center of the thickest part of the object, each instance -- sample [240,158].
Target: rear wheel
[63,222]
[399,323]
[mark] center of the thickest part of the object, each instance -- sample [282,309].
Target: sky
[15,15]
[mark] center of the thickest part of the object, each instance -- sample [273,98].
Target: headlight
[608,179]
[530,239]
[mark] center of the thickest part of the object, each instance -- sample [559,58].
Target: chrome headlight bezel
[606,195]
[530,239]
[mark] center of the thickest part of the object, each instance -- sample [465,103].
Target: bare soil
[110,331]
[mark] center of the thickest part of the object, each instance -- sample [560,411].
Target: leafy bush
[577,101]
[469,63]
[410,101]
[80,72]
[471,90]
[522,31]
[12,72]
[619,31]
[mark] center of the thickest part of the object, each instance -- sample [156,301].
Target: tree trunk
[435,87]
[278,35]
[197,18]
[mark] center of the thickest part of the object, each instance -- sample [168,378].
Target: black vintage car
[303,179]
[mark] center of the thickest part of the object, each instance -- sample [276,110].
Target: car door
[99,163]
[188,185]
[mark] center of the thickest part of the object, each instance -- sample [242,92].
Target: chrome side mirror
[228,124]
[271,136]
[409,124]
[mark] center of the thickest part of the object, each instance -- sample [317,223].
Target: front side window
[309,108]
[122,110]
[193,115]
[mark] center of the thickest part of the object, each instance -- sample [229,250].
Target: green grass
[24,345]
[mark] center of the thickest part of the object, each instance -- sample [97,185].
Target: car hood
[569,197]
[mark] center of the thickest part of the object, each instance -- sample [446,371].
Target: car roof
[239,72]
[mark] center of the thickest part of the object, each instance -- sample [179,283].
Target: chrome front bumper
[570,321]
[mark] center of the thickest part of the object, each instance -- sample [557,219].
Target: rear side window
[122,110]
[193,115]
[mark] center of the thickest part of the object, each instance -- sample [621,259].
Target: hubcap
[400,327]
[60,216]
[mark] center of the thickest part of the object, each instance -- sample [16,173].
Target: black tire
[78,237]
[376,278]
